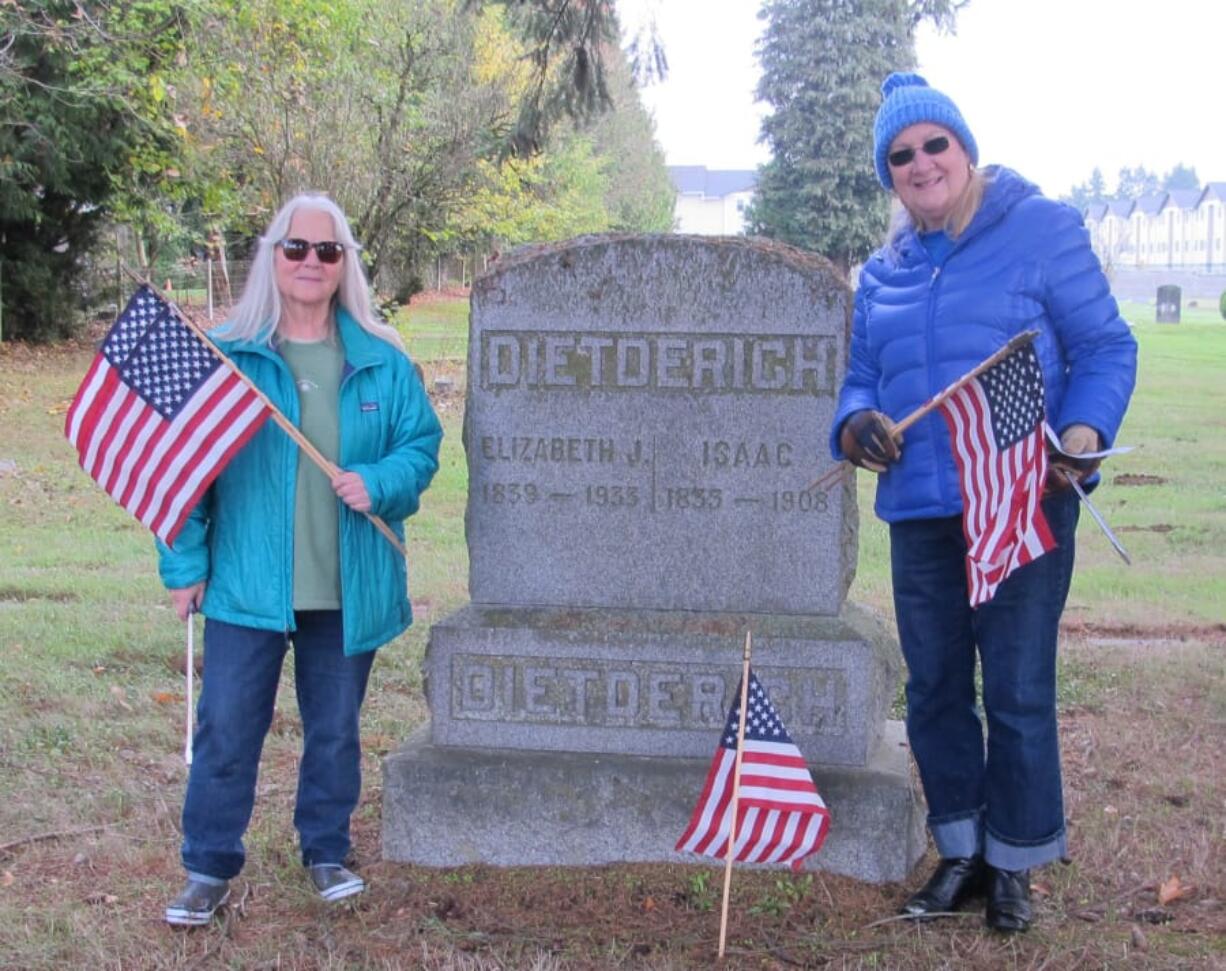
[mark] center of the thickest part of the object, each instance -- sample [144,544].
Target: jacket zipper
[929,341]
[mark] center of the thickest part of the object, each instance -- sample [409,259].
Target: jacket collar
[361,348]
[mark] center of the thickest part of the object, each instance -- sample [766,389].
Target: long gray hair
[258,310]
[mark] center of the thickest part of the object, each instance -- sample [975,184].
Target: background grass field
[91,720]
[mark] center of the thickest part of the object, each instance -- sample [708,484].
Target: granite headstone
[645,415]
[1169,304]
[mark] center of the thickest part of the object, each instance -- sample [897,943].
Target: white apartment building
[711,202]
[1176,229]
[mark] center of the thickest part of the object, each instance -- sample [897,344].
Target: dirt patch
[1137,479]
[1141,635]
[1145,888]
[1156,528]
[439,296]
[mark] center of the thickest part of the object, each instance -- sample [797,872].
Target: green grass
[1138,312]
[435,330]
[91,710]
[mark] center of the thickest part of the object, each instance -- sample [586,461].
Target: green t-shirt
[317,367]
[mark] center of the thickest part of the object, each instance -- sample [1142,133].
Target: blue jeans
[241,672]
[1005,800]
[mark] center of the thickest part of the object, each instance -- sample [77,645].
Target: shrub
[1221,304]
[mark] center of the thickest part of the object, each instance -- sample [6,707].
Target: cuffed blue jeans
[241,672]
[1003,800]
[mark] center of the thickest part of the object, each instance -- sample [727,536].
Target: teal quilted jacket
[240,536]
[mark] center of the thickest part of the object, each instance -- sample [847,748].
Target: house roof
[1151,204]
[1121,207]
[1096,211]
[1214,190]
[1183,198]
[712,183]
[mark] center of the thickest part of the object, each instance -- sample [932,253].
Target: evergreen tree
[1181,177]
[823,62]
[1089,192]
[84,128]
[1135,183]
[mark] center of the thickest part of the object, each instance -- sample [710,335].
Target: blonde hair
[960,216]
[258,310]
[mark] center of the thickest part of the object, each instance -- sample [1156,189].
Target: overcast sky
[1049,87]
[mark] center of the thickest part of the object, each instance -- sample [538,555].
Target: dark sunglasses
[327,250]
[934,146]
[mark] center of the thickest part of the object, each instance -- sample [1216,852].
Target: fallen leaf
[1040,889]
[166,698]
[1139,940]
[649,905]
[1110,810]
[7,880]
[1172,889]
[121,696]
[101,898]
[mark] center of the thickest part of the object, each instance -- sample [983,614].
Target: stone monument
[1168,304]
[644,417]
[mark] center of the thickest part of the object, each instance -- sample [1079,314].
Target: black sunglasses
[327,250]
[934,146]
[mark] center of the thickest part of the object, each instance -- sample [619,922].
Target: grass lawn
[435,329]
[91,722]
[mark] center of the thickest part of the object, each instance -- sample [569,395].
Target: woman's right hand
[868,441]
[187,599]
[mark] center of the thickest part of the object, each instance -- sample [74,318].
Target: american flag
[158,415]
[780,816]
[996,427]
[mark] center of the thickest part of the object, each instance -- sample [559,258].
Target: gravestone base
[445,806]
[655,682]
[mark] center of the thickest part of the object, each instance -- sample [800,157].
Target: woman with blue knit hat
[974,258]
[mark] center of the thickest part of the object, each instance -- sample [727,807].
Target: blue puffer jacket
[240,536]
[1024,262]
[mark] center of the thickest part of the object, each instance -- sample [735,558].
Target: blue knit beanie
[907,100]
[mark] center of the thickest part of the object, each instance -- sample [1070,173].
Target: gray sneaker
[334,882]
[196,905]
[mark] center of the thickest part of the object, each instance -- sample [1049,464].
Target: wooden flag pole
[329,468]
[831,475]
[736,795]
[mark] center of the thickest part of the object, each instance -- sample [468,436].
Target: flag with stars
[158,415]
[996,428]
[780,816]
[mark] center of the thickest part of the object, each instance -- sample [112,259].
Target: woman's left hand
[351,490]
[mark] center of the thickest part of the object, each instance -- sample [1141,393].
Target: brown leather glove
[867,440]
[1074,440]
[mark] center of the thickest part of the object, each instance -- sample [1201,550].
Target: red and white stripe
[780,816]
[1001,491]
[158,469]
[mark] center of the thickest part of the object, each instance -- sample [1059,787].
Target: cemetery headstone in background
[1168,305]
[644,416]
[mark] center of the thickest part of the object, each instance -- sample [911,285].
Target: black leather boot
[1008,900]
[954,881]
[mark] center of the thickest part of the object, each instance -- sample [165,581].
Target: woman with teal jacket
[276,554]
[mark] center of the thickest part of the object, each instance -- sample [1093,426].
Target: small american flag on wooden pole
[780,818]
[996,428]
[159,415]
